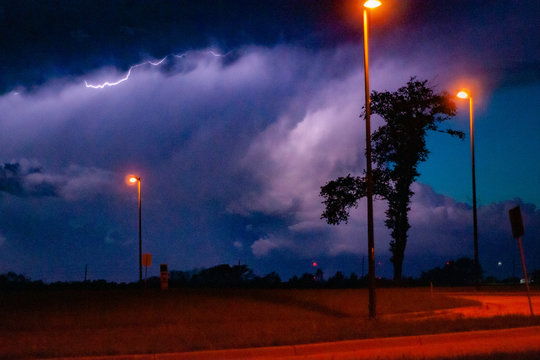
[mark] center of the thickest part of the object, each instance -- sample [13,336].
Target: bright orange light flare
[462,94]
[132,179]
[372,4]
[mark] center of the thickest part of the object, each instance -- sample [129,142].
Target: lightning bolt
[153,63]
[126,77]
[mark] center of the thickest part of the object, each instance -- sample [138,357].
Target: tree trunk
[398,208]
[398,268]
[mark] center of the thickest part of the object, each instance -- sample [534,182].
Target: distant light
[499,263]
[314,264]
[372,4]
[462,94]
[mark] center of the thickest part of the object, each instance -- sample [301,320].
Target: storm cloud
[232,134]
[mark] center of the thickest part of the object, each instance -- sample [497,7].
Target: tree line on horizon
[460,272]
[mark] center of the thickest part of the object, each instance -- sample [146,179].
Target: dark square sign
[516,222]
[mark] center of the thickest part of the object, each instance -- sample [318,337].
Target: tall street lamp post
[370,4]
[464,94]
[133,180]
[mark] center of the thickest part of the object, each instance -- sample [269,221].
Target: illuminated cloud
[262,247]
[232,149]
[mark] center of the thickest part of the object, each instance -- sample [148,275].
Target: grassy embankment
[76,323]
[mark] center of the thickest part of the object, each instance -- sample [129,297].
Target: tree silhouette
[398,147]
[459,272]
[223,276]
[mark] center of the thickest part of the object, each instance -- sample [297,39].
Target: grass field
[74,323]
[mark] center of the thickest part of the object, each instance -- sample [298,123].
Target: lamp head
[133,179]
[463,94]
[371,4]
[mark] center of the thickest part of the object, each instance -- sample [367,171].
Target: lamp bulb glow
[372,4]
[462,94]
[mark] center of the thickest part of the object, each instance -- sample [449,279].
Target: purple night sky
[254,107]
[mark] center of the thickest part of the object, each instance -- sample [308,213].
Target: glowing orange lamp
[463,94]
[466,94]
[136,179]
[371,4]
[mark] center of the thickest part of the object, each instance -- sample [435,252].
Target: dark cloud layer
[25,182]
[43,40]
[64,38]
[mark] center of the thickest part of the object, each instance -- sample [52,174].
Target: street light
[464,94]
[133,180]
[370,4]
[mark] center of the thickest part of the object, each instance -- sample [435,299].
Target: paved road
[423,347]
[502,304]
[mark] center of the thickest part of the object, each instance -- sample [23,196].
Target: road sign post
[517,231]
[146,262]
[516,222]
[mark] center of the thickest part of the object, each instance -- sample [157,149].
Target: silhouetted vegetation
[535,276]
[458,272]
[399,146]
[12,280]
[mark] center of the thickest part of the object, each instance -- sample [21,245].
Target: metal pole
[526,277]
[140,236]
[369,178]
[475,218]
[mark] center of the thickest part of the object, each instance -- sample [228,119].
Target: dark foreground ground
[130,321]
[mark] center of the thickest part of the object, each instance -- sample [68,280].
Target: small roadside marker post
[517,231]
[164,275]
[146,262]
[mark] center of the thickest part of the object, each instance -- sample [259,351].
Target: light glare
[372,4]
[462,94]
